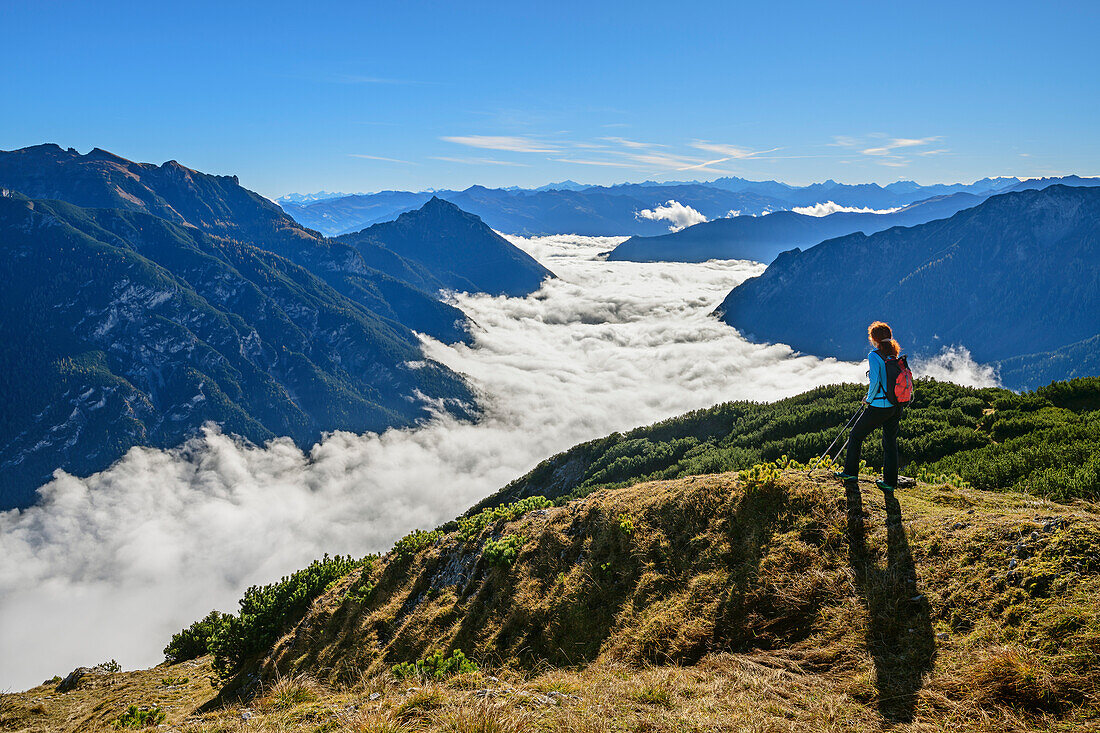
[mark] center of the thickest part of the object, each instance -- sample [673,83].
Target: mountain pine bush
[1045,442]
[265,611]
[193,642]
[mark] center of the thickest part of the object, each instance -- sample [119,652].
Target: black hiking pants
[888,418]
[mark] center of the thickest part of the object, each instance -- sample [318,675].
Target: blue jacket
[876,391]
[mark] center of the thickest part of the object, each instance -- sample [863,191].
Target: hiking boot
[886,488]
[844,476]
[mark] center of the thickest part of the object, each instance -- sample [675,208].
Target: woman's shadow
[899,626]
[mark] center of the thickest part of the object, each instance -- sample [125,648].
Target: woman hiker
[880,412]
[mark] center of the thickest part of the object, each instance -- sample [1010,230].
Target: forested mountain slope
[1018,274]
[122,328]
[145,300]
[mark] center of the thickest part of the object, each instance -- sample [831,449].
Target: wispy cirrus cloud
[605,163]
[510,143]
[632,143]
[899,142]
[478,161]
[887,150]
[612,151]
[731,152]
[844,141]
[364,156]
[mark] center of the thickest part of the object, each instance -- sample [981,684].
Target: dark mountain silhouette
[1033,183]
[570,208]
[596,211]
[762,238]
[1016,275]
[863,195]
[121,328]
[142,301]
[590,211]
[220,206]
[456,249]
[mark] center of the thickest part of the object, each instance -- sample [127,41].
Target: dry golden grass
[100,699]
[724,607]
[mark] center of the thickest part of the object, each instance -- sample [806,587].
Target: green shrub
[928,476]
[502,552]
[1046,442]
[762,474]
[470,527]
[415,541]
[112,667]
[435,666]
[626,525]
[359,592]
[173,681]
[135,718]
[193,642]
[266,611]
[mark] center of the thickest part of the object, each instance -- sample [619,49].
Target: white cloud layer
[831,207]
[112,565]
[954,364]
[680,215]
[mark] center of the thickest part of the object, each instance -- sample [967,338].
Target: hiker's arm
[877,372]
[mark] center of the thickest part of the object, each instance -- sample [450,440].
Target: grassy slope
[1045,442]
[914,617]
[752,597]
[99,699]
[728,603]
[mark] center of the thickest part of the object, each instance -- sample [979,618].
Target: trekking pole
[843,430]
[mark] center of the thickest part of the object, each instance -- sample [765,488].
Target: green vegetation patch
[435,666]
[135,717]
[1046,442]
[265,611]
[502,552]
[471,526]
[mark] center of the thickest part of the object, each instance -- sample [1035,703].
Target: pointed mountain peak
[101,154]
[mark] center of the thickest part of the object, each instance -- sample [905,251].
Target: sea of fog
[112,565]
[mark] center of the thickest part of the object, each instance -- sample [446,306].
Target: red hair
[883,338]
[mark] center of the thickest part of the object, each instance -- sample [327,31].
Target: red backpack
[899,380]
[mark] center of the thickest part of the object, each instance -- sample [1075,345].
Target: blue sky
[364,96]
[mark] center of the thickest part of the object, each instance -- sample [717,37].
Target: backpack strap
[881,388]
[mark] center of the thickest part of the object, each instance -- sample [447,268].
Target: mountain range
[570,208]
[1016,278]
[142,301]
[762,238]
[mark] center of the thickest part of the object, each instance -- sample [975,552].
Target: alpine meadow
[374,368]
